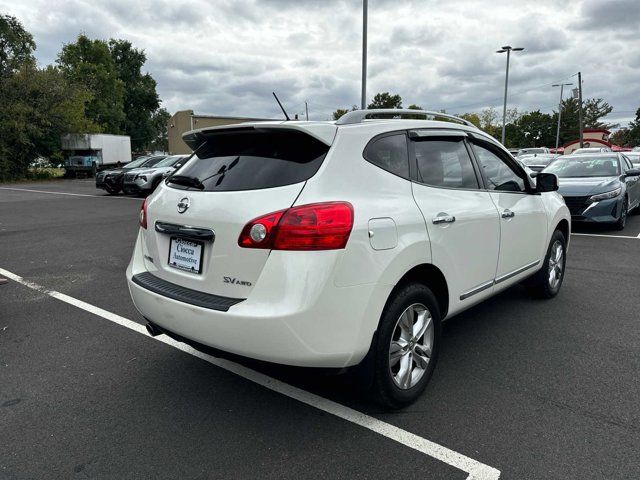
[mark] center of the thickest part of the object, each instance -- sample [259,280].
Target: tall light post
[507,49]
[561,85]
[363,100]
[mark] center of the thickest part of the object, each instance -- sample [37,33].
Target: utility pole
[363,100]
[580,108]
[306,109]
[561,85]
[507,49]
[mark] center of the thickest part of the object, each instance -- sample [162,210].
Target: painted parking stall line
[605,236]
[475,470]
[67,193]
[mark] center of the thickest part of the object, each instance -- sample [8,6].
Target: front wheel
[547,282]
[407,346]
[622,221]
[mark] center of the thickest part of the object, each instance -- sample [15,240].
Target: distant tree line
[95,86]
[529,129]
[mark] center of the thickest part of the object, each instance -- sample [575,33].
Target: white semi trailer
[86,153]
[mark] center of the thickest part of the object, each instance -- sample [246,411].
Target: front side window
[499,175]
[444,163]
[389,153]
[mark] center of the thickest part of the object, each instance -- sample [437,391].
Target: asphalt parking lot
[532,389]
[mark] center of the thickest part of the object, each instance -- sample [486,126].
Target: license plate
[185,254]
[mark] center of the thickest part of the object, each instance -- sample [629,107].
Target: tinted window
[584,166]
[389,153]
[254,159]
[497,172]
[151,162]
[444,163]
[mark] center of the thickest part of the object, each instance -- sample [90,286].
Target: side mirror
[633,172]
[546,182]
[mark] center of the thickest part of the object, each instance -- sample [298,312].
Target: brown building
[186,120]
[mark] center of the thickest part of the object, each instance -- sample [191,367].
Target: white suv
[340,244]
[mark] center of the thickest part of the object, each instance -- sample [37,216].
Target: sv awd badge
[235,281]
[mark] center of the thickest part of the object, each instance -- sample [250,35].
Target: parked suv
[144,181]
[112,180]
[342,244]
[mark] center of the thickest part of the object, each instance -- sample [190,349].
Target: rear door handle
[443,218]
[508,213]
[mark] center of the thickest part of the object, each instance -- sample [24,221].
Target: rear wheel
[407,346]
[547,282]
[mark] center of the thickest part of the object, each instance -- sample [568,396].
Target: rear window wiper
[186,180]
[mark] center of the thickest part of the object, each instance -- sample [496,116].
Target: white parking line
[474,469]
[607,236]
[66,193]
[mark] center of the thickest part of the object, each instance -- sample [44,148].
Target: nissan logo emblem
[183,205]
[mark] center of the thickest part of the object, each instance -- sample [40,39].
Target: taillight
[143,214]
[317,226]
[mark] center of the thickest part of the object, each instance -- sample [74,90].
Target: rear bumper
[306,321]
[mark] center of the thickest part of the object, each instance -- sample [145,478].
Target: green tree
[532,129]
[159,131]
[36,107]
[140,100]
[88,63]
[385,100]
[16,46]
[633,138]
[620,137]
[413,106]
[472,117]
[341,111]
[594,109]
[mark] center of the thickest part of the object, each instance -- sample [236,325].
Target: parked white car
[533,151]
[584,150]
[342,244]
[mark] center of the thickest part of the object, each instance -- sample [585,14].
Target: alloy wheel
[556,264]
[411,346]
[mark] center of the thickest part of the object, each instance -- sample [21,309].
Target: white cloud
[225,57]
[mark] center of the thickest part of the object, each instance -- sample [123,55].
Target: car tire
[542,284]
[407,346]
[111,190]
[622,221]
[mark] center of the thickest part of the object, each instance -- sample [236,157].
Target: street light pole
[507,49]
[561,85]
[363,99]
[580,109]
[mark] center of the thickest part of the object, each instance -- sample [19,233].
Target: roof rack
[359,116]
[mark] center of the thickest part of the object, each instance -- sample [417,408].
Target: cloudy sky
[226,57]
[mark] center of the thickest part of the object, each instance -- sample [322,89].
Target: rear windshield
[252,160]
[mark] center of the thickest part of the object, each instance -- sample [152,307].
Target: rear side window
[389,153]
[445,163]
[254,159]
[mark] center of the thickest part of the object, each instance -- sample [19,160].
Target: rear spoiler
[324,132]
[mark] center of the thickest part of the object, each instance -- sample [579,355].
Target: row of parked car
[598,185]
[141,176]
